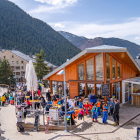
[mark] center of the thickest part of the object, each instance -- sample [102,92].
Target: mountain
[82,42]
[20,31]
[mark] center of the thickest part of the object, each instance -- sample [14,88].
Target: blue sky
[89,18]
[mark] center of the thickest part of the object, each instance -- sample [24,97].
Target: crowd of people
[76,107]
[7,98]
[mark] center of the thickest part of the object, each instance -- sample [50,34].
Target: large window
[67,88]
[113,68]
[54,87]
[89,64]
[90,89]
[60,89]
[118,70]
[81,89]
[99,90]
[108,66]
[99,67]
[81,72]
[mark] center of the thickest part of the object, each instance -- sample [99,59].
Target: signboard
[105,90]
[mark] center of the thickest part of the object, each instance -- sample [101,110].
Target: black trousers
[111,111]
[37,104]
[116,117]
[80,116]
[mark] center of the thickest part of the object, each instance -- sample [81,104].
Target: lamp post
[62,72]
[66,129]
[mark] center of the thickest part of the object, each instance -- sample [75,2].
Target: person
[86,106]
[43,102]
[48,96]
[130,98]
[7,97]
[36,104]
[80,104]
[105,109]
[48,105]
[22,97]
[93,98]
[19,120]
[81,114]
[98,107]
[116,112]
[111,104]
[56,95]
[3,99]
[94,114]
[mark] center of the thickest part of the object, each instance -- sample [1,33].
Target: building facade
[89,70]
[18,61]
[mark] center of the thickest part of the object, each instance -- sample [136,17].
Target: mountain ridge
[87,43]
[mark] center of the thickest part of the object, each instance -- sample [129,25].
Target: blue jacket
[112,104]
[80,105]
[93,99]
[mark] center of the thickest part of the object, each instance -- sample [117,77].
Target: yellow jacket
[3,99]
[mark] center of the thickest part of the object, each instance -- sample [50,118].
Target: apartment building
[18,61]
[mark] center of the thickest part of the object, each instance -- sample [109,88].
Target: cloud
[57,2]
[92,30]
[59,25]
[137,38]
[53,6]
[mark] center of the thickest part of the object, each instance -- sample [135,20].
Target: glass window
[17,62]
[119,70]
[81,89]
[126,92]
[99,67]
[136,88]
[81,72]
[17,73]
[12,56]
[99,90]
[22,62]
[4,57]
[90,89]
[60,89]
[67,88]
[113,68]
[54,87]
[17,68]
[12,62]
[89,64]
[108,66]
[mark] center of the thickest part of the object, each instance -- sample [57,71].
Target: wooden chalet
[89,70]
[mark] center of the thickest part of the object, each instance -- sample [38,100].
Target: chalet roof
[98,49]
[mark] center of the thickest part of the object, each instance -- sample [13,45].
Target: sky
[88,18]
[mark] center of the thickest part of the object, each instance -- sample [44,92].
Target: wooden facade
[128,70]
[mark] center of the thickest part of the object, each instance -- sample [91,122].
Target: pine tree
[6,73]
[41,67]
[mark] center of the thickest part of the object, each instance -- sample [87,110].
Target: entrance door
[126,92]
[117,90]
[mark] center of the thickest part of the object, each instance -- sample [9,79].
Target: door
[126,92]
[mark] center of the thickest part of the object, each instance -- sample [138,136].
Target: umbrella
[31,78]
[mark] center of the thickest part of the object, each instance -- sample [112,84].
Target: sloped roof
[98,49]
[22,55]
[26,57]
